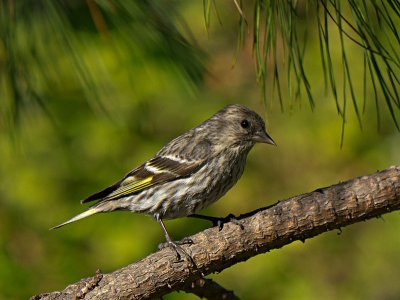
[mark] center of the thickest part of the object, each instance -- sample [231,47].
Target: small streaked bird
[189,173]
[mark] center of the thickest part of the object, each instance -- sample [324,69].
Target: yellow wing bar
[130,186]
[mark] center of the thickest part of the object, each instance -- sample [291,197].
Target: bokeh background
[89,91]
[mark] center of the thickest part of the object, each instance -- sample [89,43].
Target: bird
[188,174]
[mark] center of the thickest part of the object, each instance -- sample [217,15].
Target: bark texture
[297,218]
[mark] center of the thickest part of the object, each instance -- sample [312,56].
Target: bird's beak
[263,137]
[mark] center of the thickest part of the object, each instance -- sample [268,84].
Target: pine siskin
[189,173]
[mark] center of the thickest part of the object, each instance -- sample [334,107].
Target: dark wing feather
[158,170]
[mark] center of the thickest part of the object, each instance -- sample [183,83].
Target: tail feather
[89,212]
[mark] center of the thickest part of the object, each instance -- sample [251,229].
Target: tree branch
[297,218]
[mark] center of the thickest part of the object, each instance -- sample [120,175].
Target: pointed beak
[263,137]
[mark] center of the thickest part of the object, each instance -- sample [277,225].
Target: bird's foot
[220,221]
[176,246]
[184,241]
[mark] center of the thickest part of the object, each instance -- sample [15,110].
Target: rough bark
[297,218]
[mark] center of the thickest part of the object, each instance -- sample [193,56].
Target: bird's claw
[184,241]
[219,222]
[175,246]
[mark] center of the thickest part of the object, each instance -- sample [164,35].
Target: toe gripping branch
[220,222]
[173,245]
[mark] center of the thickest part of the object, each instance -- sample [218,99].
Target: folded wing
[158,170]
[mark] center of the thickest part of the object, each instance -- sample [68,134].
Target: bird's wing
[158,170]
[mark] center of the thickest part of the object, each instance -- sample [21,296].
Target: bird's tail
[89,212]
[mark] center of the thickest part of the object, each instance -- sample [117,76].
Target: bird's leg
[219,221]
[172,244]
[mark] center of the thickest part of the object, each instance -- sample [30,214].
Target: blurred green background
[87,94]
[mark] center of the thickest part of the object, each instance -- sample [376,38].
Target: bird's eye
[245,124]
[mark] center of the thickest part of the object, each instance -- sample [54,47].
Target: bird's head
[236,125]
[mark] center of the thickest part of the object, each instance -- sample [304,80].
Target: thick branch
[297,218]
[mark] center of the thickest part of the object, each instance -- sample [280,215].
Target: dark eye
[245,124]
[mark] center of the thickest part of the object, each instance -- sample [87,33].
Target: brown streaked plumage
[189,173]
